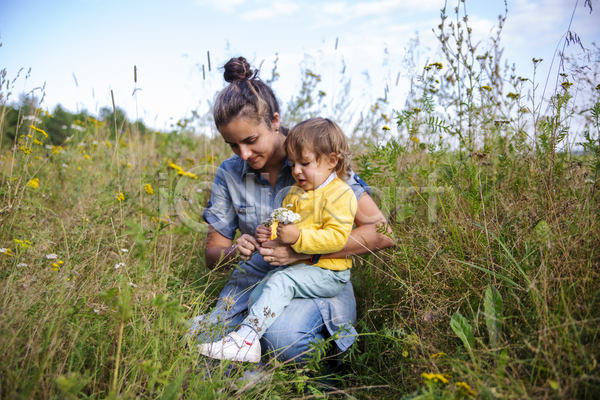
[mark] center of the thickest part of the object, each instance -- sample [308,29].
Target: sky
[82,49]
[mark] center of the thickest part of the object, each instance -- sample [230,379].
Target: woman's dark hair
[246,96]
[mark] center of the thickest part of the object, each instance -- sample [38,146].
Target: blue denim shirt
[241,199]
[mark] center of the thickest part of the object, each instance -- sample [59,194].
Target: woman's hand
[263,233]
[276,253]
[288,234]
[246,245]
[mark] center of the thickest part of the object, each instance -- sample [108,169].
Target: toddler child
[319,153]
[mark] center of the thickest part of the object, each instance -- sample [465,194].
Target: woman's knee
[291,344]
[291,335]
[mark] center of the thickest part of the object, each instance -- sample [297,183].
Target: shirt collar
[328,180]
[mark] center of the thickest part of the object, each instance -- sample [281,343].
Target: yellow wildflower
[24,244]
[29,136]
[188,174]
[437,355]
[6,252]
[61,262]
[120,197]
[34,183]
[106,142]
[148,188]
[405,354]
[415,139]
[566,85]
[175,167]
[35,141]
[434,377]
[416,110]
[486,87]
[86,156]
[513,96]
[463,387]
[38,130]
[385,128]
[437,65]
[25,149]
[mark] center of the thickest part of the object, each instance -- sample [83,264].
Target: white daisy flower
[3,250]
[125,250]
[51,256]
[119,265]
[48,147]
[19,265]
[284,216]
[65,165]
[132,284]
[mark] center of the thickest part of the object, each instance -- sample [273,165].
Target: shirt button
[270,194]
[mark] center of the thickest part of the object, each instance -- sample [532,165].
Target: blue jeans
[303,321]
[273,294]
[288,338]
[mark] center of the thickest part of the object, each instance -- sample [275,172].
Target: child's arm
[288,234]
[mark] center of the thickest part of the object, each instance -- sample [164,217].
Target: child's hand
[262,233]
[288,234]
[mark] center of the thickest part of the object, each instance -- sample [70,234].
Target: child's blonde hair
[323,137]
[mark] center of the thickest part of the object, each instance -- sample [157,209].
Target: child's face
[310,173]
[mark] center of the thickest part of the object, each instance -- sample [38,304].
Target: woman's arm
[371,234]
[220,250]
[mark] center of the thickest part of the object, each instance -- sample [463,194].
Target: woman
[247,187]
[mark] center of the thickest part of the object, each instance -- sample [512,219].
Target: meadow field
[491,190]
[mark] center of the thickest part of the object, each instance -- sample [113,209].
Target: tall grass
[491,290]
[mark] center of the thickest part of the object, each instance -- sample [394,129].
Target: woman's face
[254,143]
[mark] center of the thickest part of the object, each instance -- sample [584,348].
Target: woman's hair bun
[238,69]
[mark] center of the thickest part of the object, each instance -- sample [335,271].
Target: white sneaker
[232,347]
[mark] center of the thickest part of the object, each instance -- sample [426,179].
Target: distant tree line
[59,124]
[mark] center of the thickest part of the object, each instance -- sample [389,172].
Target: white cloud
[339,12]
[275,9]
[227,6]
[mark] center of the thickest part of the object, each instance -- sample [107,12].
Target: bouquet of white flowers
[283,216]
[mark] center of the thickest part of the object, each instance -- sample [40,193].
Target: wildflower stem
[62,225]
[117,360]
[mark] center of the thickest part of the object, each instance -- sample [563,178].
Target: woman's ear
[276,122]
